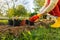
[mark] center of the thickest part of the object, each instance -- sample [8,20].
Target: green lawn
[40,33]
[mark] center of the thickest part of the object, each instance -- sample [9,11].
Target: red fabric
[33,18]
[48,2]
[56,10]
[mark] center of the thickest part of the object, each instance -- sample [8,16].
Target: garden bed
[16,29]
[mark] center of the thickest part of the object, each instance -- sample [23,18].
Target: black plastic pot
[14,22]
[29,23]
[10,22]
[17,22]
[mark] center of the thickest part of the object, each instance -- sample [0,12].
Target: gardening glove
[35,17]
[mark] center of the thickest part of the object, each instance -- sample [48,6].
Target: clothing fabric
[56,10]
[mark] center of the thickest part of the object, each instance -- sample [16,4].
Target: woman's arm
[51,6]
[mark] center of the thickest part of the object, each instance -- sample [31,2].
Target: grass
[40,33]
[3,21]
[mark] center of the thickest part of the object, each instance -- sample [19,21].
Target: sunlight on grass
[3,21]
